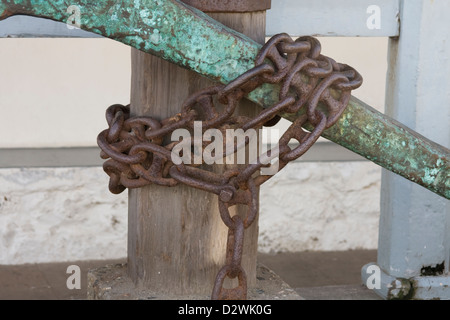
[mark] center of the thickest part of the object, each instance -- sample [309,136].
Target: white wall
[54,92]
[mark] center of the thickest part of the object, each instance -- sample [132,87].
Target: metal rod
[187,37]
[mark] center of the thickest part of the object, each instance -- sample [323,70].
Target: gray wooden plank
[50,157]
[32,27]
[342,18]
[349,18]
[90,156]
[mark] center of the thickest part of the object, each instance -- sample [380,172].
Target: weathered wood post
[176,238]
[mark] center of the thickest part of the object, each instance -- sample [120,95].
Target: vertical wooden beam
[176,238]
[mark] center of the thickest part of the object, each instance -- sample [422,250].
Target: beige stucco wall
[54,92]
[49,88]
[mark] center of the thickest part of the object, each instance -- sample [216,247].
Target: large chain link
[139,156]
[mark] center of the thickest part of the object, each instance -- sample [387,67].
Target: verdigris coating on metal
[187,37]
[393,146]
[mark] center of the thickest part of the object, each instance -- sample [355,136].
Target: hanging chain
[138,154]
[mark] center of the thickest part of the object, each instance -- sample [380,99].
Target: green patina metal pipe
[191,39]
[393,146]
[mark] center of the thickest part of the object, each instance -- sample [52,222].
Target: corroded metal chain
[312,85]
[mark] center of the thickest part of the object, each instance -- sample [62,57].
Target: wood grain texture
[176,238]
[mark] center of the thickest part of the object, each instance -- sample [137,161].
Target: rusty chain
[139,154]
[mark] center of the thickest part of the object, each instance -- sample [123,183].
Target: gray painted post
[414,231]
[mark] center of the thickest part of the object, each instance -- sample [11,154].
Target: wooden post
[176,238]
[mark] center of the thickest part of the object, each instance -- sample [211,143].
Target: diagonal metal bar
[187,37]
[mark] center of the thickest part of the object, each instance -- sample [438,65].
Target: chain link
[137,155]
